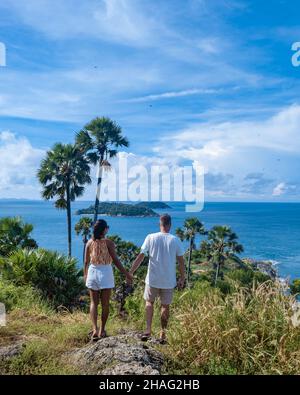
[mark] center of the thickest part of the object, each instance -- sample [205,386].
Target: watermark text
[2,54]
[296,55]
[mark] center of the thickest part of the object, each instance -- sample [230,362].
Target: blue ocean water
[267,230]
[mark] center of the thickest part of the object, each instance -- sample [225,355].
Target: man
[163,250]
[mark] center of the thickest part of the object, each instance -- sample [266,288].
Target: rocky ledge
[123,354]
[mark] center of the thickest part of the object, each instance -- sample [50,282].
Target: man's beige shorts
[165,295]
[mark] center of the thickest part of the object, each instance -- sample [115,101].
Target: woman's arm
[137,262]
[86,259]
[112,252]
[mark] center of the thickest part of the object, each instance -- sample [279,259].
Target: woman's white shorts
[100,277]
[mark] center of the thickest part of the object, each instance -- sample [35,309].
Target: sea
[268,231]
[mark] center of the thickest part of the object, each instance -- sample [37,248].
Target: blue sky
[209,81]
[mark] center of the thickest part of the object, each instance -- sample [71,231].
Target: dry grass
[248,332]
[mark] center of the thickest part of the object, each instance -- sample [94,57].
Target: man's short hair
[165,220]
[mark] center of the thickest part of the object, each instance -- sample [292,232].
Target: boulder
[11,350]
[123,354]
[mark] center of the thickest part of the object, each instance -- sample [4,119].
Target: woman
[98,274]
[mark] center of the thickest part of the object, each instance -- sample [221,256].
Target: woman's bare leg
[94,309]
[105,299]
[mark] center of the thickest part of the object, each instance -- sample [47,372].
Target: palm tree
[99,141]
[84,228]
[14,233]
[191,227]
[63,174]
[222,245]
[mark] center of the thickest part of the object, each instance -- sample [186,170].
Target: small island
[119,210]
[153,205]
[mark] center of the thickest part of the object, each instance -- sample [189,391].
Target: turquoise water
[267,230]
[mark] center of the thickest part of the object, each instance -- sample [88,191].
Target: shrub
[23,297]
[53,274]
[295,287]
[246,277]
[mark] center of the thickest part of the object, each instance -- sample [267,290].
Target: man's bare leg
[94,310]
[164,319]
[149,316]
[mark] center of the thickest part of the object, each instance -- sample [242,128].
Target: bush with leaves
[55,275]
[14,234]
[295,287]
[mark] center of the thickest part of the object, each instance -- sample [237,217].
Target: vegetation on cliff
[119,209]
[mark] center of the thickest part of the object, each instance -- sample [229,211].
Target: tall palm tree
[191,227]
[14,234]
[222,245]
[84,228]
[100,140]
[63,174]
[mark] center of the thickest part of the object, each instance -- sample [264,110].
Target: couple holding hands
[163,250]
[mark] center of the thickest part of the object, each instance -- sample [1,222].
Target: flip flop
[145,337]
[162,341]
[95,338]
[103,335]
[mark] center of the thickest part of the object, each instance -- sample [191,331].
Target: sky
[190,81]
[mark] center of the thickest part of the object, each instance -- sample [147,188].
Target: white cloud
[19,161]
[284,188]
[171,95]
[269,148]
[122,21]
[279,189]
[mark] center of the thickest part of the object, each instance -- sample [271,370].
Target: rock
[123,354]
[11,351]
[130,369]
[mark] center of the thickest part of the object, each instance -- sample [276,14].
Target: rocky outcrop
[265,267]
[123,354]
[10,351]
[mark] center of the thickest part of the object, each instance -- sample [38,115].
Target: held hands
[181,283]
[129,278]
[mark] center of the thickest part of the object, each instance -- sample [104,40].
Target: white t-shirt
[162,249]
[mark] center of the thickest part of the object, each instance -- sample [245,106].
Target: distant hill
[153,205]
[120,210]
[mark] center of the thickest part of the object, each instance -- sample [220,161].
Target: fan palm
[14,233]
[191,227]
[99,141]
[84,228]
[222,245]
[63,174]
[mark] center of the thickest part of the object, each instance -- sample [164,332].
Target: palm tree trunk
[189,260]
[98,190]
[69,222]
[217,273]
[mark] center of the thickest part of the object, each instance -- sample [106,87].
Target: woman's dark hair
[99,229]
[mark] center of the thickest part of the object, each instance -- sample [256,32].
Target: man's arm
[137,262]
[181,281]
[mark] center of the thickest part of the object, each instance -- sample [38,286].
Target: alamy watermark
[2,315]
[2,54]
[296,56]
[126,182]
